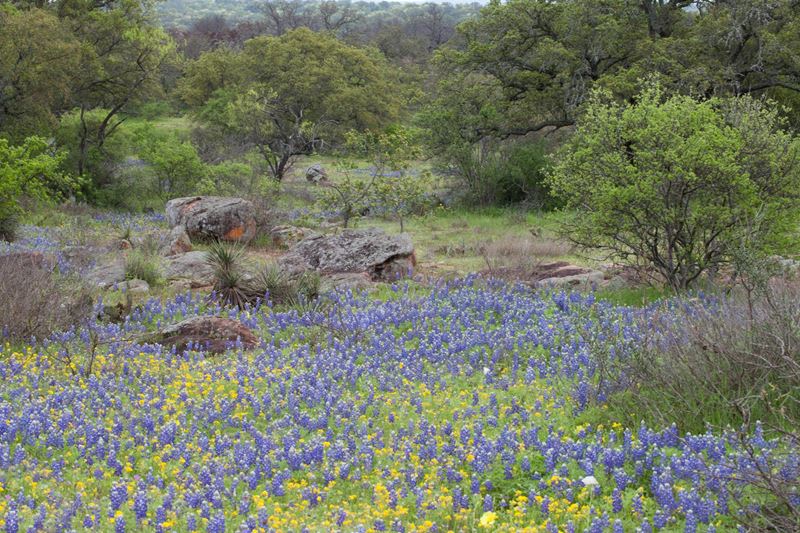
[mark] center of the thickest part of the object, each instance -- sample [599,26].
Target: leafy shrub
[500,174]
[144,266]
[154,110]
[36,301]
[402,196]
[349,197]
[675,185]
[30,170]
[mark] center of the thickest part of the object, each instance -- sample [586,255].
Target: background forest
[138,105]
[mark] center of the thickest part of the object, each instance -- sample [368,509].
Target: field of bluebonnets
[462,406]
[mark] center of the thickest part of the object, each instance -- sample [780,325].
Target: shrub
[402,196]
[140,265]
[29,170]
[348,196]
[501,174]
[731,362]
[675,185]
[36,301]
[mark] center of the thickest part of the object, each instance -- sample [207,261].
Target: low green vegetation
[139,264]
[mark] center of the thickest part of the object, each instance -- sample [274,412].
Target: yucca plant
[275,285]
[230,283]
[126,233]
[223,255]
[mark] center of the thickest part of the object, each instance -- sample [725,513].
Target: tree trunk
[83,146]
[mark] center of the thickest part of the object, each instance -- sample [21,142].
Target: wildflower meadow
[466,406]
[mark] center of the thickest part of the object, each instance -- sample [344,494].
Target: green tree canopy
[536,61]
[38,59]
[675,184]
[293,94]
[123,56]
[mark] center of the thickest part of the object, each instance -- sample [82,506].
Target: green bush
[154,110]
[675,185]
[30,170]
[500,174]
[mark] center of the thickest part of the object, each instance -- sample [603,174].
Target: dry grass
[523,254]
[734,362]
[37,301]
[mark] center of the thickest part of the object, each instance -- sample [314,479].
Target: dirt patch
[531,275]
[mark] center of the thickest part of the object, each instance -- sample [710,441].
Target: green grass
[451,240]
[634,296]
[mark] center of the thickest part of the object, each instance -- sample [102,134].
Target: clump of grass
[521,254]
[140,265]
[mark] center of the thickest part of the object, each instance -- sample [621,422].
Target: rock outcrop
[213,218]
[178,242]
[107,275]
[212,334]
[562,274]
[371,251]
[287,236]
[191,267]
[316,174]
